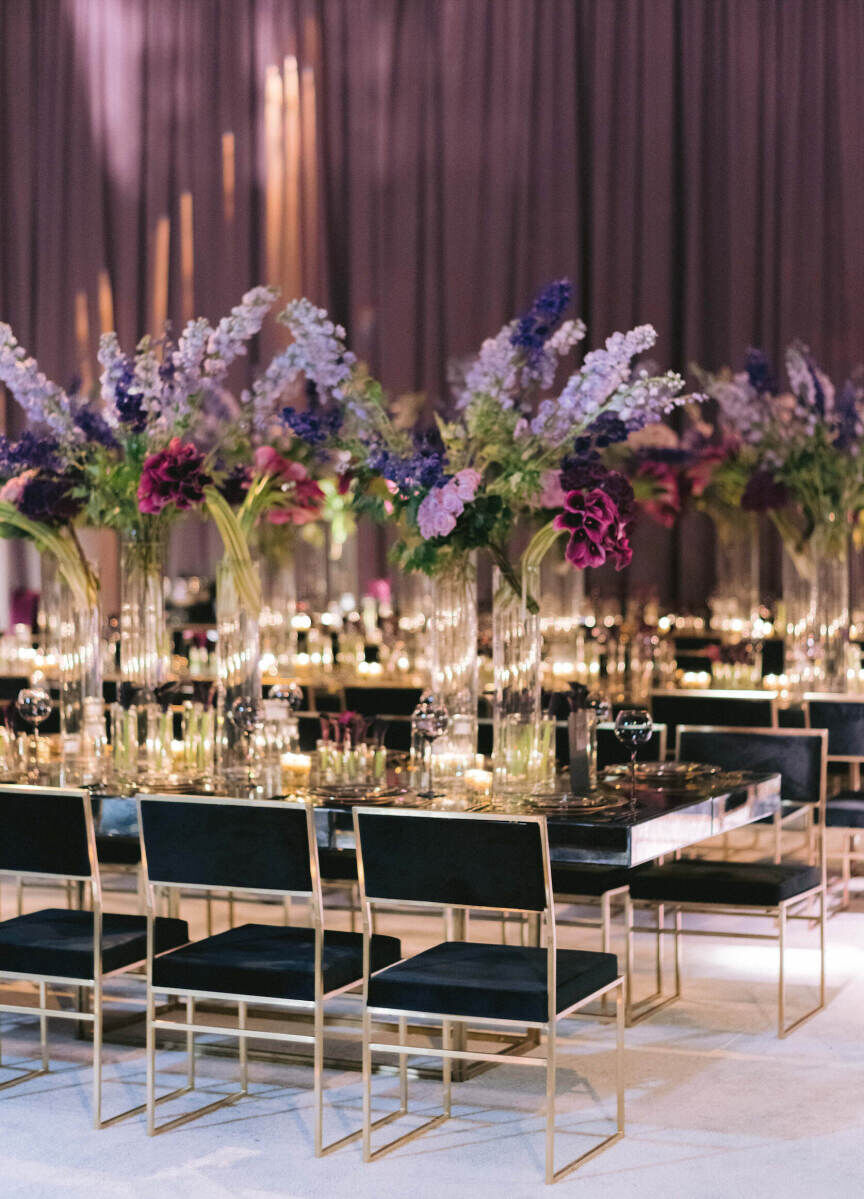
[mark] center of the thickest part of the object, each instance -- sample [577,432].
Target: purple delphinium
[534,328]
[760,372]
[608,429]
[424,468]
[30,452]
[95,427]
[313,427]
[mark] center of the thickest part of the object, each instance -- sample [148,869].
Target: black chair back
[844,720]
[46,832]
[235,844]
[799,756]
[382,701]
[11,684]
[445,859]
[726,709]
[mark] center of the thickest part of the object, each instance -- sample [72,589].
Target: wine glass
[633,727]
[247,717]
[429,721]
[290,693]
[34,705]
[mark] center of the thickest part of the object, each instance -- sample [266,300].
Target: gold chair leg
[243,1049]
[550,1102]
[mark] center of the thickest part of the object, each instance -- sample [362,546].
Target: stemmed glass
[633,727]
[34,705]
[247,716]
[429,721]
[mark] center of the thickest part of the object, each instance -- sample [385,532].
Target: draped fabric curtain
[698,164]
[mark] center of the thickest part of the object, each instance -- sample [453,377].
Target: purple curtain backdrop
[694,163]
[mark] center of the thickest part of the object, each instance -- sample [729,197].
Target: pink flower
[619,548]
[175,476]
[300,505]
[269,462]
[13,489]
[551,492]
[434,516]
[664,504]
[465,484]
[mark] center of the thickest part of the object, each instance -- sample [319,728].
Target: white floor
[716,1105]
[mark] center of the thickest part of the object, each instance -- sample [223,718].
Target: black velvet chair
[382,701]
[844,719]
[730,709]
[47,833]
[782,891]
[248,847]
[462,862]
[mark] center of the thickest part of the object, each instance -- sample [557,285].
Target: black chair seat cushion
[750,884]
[500,982]
[271,961]
[845,810]
[57,942]
[337,865]
[586,878]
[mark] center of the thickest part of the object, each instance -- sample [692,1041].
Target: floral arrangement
[795,454]
[507,450]
[167,437]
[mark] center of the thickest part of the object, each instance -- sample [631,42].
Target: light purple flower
[434,516]
[43,401]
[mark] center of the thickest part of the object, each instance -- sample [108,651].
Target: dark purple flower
[175,476]
[760,372]
[95,427]
[607,429]
[587,517]
[763,492]
[535,327]
[234,485]
[313,427]
[424,468]
[49,498]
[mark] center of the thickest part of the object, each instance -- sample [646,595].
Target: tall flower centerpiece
[41,498]
[509,449]
[802,464]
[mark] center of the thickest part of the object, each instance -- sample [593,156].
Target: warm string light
[187,257]
[274,185]
[161,264]
[292,282]
[82,340]
[229,177]
[106,303]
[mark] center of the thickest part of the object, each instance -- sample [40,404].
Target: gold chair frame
[781,913]
[848,851]
[447,1053]
[241,1031]
[92,1014]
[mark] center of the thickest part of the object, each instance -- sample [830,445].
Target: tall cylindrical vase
[452,642]
[278,609]
[82,706]
[735,600]
[144,647]
[238,657]
[816,615]
[142,729]
[517,660]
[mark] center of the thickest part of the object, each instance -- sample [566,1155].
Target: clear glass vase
[144,645]
[520,751]
[278,609]
[452,653]
[83,736]
[734,602]
[238,658]
[816,618]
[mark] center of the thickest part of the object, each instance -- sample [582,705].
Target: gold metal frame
[448,1053]
[83,985]
[848,852]
[241,1031]
[782,913]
